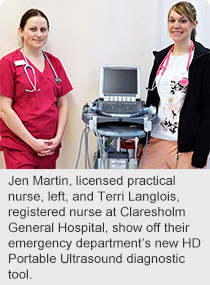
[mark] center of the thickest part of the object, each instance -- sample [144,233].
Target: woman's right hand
[13,122]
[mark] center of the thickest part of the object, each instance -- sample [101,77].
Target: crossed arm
[43,147]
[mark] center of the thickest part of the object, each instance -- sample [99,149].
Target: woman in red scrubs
[33,103]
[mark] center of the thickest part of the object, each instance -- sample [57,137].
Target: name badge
[19,62]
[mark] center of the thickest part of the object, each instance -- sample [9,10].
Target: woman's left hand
[62,105]
[51,146]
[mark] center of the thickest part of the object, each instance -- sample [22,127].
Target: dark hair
[32,13]
[187,9]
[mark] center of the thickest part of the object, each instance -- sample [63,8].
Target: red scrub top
[37,110]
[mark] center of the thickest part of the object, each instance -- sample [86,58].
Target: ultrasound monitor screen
[120,81]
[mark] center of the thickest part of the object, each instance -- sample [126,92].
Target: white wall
[85,34]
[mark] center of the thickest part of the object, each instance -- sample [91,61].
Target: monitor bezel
[122,67]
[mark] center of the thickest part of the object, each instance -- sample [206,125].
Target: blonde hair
[187,9]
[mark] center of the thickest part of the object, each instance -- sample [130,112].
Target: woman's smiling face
[35,32]
[179,27]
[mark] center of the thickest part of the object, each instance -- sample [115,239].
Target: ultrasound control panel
[121,104]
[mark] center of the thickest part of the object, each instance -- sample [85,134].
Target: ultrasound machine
[118,114]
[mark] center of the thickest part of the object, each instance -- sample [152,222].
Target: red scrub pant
[162,154]
[16,159]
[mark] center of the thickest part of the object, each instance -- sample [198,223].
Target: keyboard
[119,107]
